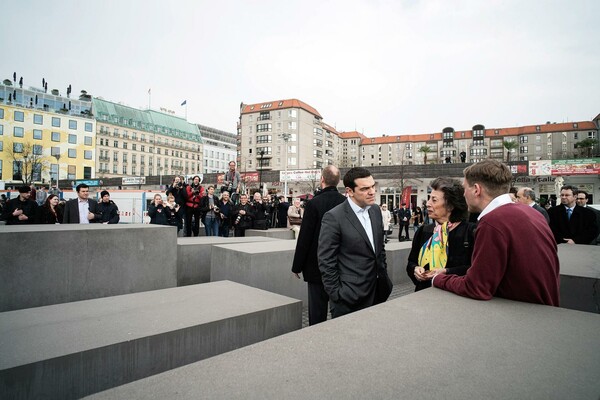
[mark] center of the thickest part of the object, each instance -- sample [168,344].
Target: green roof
[147,120]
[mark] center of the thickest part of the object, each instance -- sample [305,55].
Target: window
[292,113]
[1,113]
[17,147]
[263,128]
[38,119]
[72,172]
[318,142]
[37,134]
[134,146]
[17,170]
[264,115]
[124,145]
[72,153]
[143,148]
[88,127]
[448,135]
[263,139]
[591,135]
[478,142]
[72,139]
[116,143]
[317,153]
[72,124]
[1,130]
[523,149]
[523,139]
[115,156]
[478,152]
[87,154]
[18,131]
[291,149]
[87,140]
[56,122]
[267,150]
[87,172]
[124,169]
[318,131]
[408,146]
[56,136]
[124,157]
[115,169]
[37,149]
[19,116]
[1,146]
[292,125]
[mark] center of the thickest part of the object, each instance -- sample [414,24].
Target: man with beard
[20,210]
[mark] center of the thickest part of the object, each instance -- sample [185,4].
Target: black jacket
[29,208]
[109,212]
[581,227]
[159,215]
[179,193]
[245,221]
[305,257]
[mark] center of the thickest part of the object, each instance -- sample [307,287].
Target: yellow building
[47,138]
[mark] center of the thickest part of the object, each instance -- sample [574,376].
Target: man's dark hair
[331,175]
[584,192]
[454,196]
[571,188]
[353,174]
[81,186]
[229,163]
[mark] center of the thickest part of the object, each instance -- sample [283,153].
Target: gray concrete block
[275,233]
[397,257]
[50,264]
[427,345]
[67,351]
[194,254]
[580,277]
[264,265]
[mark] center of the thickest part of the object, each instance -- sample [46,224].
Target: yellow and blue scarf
[435,251]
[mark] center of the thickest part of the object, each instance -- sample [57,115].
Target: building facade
[284,134]
[45,136]
[220,148]
[132,142]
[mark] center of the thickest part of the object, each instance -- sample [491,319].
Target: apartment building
[45,136]
[134,142]
[220,147]
[284,134]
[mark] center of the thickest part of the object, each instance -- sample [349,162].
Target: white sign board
[137,180]
[300,175]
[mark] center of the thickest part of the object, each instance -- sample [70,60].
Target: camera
[237,219]
[216,210]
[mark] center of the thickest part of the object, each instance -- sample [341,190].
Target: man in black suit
[305,257]
[569,222]
[81,210]
[404,216]
[582,200]
[351,251]
[526,196]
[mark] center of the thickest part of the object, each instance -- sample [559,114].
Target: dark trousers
[189,229]
[239,232]
[224,230]
[405,227]
[317,303]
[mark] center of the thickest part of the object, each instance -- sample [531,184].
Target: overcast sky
[380,67]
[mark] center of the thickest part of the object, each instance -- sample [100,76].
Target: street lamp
[285,136]
[57,156]
[262,154]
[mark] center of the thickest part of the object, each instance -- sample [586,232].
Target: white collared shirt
[363,216]
[501,200]
[84,209]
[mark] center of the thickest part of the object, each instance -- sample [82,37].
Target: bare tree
[29,160]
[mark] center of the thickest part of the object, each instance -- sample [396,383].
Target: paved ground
[398,291]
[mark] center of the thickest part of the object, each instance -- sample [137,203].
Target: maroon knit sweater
[515,257]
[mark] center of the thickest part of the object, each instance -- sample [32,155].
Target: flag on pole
[184,103]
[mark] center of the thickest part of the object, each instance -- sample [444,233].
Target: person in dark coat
[158,213]
[305,258]
[21,210]
[226,209]
[282,212]
[108,209]
[50,212]
[242,217]
[81,210]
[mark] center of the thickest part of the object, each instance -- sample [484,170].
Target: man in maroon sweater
[515,254]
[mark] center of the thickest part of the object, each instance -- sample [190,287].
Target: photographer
[177,190]
[231,182]
[194,192]
[158,213]
[258,207]
[226,209]
[210,210]
[242,216]
[268,204]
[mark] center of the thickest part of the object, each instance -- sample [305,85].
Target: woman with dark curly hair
[444,247]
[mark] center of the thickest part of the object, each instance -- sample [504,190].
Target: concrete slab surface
[397,257]
[70,350]
[194,254]
[276,233]
[427,345]
[50,264]
[264,265]
[580,277]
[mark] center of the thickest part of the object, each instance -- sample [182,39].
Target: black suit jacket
[71,213]
[305,257]
[348,263]
[581,228]
[542,210]
[404,213]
